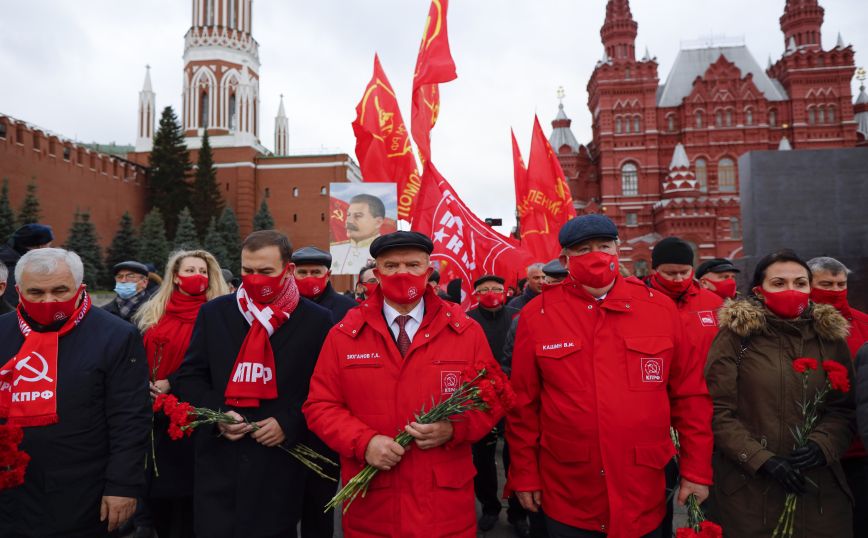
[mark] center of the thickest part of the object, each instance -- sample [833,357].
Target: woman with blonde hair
[166,321]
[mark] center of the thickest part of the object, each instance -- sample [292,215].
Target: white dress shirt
[412,324]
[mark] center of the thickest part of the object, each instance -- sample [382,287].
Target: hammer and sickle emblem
[338,214]
[40,374]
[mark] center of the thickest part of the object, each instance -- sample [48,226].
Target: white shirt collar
[417,313]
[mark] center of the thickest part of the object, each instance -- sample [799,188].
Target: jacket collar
[746,317]
[618,299]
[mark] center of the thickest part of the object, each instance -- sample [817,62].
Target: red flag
[383,143]
[545,204]
[337,219]
[433,65]
[466,243]
[519,171]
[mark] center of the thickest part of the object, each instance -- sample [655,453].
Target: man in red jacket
[379,366]
[601,368]
[829,286]
[672,275]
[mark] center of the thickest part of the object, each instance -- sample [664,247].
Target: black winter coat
[112,306]
[519,301]
[496,326]
[242,489]
[98,446]
[861,389]
[336,303]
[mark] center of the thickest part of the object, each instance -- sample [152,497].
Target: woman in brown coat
[756,394]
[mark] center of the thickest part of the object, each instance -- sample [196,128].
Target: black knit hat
[671,250]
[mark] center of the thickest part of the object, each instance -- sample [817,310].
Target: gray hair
[825,263]
[4,273]
[45,261]
[533,266]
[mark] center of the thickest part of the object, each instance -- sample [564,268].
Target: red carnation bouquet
[837,378]
[13,461]
[485,389]
[184,418]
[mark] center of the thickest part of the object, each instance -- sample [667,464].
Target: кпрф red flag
[383,143]
[545,204]
[433,65]
[471,247]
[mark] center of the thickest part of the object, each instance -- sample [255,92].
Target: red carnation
[707,530]
[839,377]
[803,364]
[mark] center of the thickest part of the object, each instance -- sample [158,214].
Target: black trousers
[856,471]
[485,481]
[317,493]
[672,480]
[557,529]
[172,518]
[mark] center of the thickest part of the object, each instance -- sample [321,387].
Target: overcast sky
[75,68]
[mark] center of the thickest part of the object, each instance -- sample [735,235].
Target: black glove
[807,457]
[781,470]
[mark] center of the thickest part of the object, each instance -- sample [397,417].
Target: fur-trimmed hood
[746,317]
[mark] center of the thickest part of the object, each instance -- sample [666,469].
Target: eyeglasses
[489,290]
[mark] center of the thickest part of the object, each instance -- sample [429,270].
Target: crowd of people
[630,393]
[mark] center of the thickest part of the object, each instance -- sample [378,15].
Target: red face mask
[725,289]
[403,288]
[491,299]
[838,299]
[52,312]
[671,286]
[312,286]
[787,304]
[594,269]
[263,288]
[193,284]
[370,287]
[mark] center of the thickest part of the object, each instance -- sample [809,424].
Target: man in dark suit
[252,353]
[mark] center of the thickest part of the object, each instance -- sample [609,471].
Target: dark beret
[131,265]
[717,265]
[488,278]
[671,250]
[401,240]
[586,227]
[32,235]
[555,269]
[311,255]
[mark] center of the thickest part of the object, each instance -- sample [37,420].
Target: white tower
[221,75]
[281,131]
[145,136]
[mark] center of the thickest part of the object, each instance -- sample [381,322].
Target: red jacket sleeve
[522,422]
[325,409]
[691,408]
[474,425]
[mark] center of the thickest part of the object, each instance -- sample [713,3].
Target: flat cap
[554,269]
[131,265]
[488,278]
[586,227]
[227,274]
[32,235]
[401,240]
[717,265]
[671,250]
[311,255]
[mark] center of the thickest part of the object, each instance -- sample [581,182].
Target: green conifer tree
[227,226]
[168,183]
[205,200]
[186,237]
[263,219]
[83,241]
[153,245]
[7,215]
[30,210]
[214,244]
[125,244]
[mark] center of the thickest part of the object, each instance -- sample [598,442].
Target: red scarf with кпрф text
[28,381]
[254,376]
